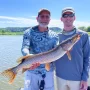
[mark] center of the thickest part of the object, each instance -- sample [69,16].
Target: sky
[23,13]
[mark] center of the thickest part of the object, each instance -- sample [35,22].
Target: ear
[74,18]
[37,19]
[49,19]
[61,18]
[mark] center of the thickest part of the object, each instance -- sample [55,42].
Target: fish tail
[10,73]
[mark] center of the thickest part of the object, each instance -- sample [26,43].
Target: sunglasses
[44,16]
[68,15]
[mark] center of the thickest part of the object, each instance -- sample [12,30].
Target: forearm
[85,73]
[25,51]
[26,43]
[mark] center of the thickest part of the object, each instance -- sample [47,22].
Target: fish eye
[71,40]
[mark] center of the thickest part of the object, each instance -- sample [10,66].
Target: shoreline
[19,33]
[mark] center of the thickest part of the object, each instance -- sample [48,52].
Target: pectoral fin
[47,66]
[24,69]
[21,59]
[69,55]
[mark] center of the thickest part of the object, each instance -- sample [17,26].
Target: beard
[44,25]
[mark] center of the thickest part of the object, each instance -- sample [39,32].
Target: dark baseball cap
[68,9]
[42,10]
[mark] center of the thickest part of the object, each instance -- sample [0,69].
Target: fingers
[83,85]
[38,64]
[35,65]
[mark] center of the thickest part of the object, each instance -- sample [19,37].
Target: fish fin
[70,50]
[24,69]
[69,55]
[10,74]
[21,59]
[47,66]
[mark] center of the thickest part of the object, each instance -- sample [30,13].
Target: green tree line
[87,29]
[20,30]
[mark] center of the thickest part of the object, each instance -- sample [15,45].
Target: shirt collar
[35,28]
[69,32]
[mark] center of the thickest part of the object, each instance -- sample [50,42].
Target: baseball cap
[42,10]
[68,9]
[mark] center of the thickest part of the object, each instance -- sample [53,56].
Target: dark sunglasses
[68,15]
[45,16]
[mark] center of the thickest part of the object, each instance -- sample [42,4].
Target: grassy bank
[19,33]
[89,33]
[11,33]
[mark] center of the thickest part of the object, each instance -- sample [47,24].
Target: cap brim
[43,11]
[68,11]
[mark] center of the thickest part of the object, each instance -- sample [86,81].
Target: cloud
[82,23]
[16,21]
[6,21]
[33,16]
[56,23]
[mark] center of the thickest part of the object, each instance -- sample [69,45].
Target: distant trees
[87,29]
[83,28]
[16,29]
[12,30]
[19,30]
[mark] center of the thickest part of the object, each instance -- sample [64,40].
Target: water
[10,50]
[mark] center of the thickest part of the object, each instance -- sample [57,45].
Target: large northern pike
[42,58]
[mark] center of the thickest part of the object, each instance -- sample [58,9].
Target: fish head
[69,43]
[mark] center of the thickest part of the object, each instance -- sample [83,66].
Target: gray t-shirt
[77,68]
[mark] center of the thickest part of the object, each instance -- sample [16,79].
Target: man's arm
[86,51]
[26,43]
[85,73]
[26,48]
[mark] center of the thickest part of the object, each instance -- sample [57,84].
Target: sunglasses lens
[71,15]
[64,15]
[67,15]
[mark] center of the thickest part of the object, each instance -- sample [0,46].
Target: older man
[36,40]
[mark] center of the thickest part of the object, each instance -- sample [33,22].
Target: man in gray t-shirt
[73,74]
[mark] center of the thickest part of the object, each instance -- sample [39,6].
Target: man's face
[68,19]
[43,19]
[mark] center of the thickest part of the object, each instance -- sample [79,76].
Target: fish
[25,62]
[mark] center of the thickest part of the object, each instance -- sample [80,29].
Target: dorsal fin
[47,66]
[21,59]
[69,55]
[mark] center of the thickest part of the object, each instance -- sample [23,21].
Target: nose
[68,17]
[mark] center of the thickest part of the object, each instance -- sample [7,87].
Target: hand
[35,65]
[83,85]
[30,54]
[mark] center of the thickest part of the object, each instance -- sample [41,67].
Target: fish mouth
[72,39]
[68,43]
[76,37]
